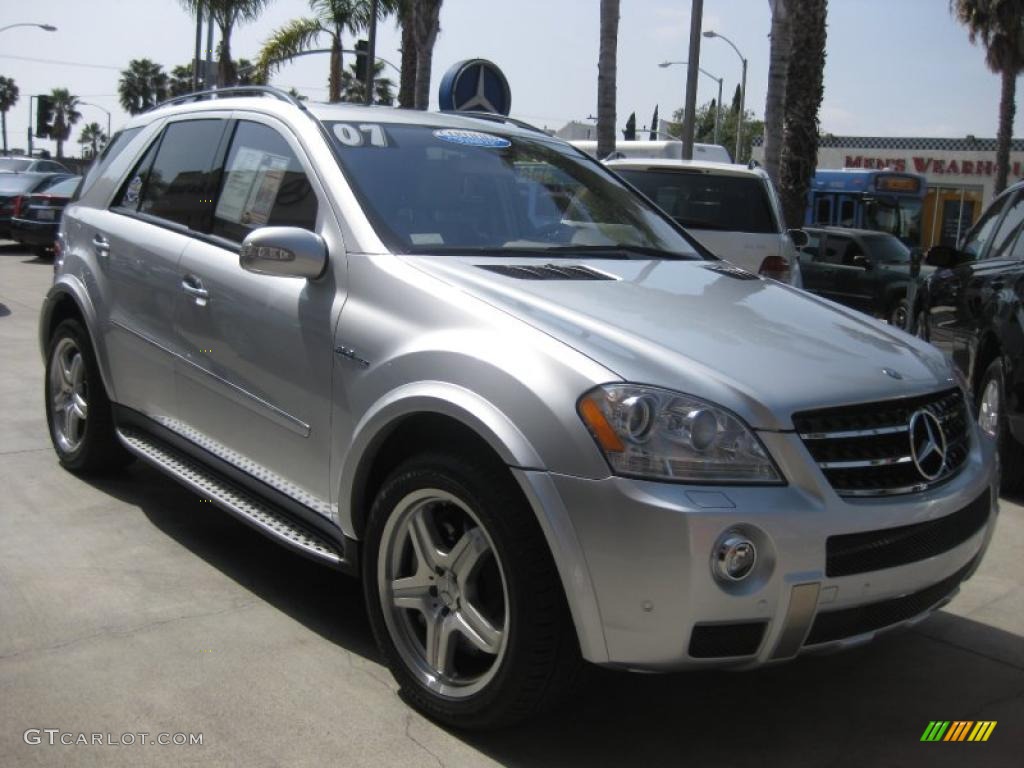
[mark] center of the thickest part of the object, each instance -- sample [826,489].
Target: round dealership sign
[475,85]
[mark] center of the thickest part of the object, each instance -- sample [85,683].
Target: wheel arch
[67,299]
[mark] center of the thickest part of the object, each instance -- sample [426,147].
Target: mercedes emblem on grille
[892,374]
[928,446]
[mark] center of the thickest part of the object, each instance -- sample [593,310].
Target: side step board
[244,505]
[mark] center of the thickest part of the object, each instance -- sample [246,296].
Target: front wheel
[899,315]
[991,411]
[463,595]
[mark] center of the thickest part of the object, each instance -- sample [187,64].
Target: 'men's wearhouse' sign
[928,166]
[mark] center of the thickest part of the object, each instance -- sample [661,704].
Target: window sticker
[472,138]
[131,193]
[360,134]
[251,187]
[426,238]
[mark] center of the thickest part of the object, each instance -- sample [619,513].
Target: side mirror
[862,261]
[943,257]
[284,251]
[799,238]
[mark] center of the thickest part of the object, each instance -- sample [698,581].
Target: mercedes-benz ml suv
[457,358]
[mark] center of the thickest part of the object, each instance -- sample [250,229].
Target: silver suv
[463,361]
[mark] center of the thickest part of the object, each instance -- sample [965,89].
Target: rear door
[254,379]
[137,244]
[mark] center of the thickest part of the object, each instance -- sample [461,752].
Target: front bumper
[635,558]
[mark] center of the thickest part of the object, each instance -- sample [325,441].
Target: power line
[55,61]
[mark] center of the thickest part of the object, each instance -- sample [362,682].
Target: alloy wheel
[69,395]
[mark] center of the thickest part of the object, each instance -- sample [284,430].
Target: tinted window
[841,250]
[12,164]
[429,189]
[131,189]
[48,182]
[53,168]
[177,187]
[975,241]
[703,201]
[112,150]
[263,185]
[888,250]
[1008,230]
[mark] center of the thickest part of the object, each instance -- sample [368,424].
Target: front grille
[710,641]
[865,450]
[849,622]
[874,550]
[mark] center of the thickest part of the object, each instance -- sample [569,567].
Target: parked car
[36,218]
[731,209]
[457,358]
[971,308]
[873,272]
[15,187]
[671,149]
[31,165]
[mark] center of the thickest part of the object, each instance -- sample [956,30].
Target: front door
[254,382]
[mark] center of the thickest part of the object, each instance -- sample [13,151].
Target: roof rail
[494,117]
[233,90]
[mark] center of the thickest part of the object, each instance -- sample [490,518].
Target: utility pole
[197,62]
[692,73]
[371,52]
[208,79]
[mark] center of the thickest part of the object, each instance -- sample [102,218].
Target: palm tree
[354,89]
[8,98]
[94,138]
[606,74]
[805,88]
[226,14]
[999,24]
[142,85]
[331,17]
[778,64]
[65,114]
[426,24]
[407,82]
[180,81]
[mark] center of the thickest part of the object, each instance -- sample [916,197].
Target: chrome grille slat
[864,449]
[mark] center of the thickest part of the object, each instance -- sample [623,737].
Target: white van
[669,150]
[732,210]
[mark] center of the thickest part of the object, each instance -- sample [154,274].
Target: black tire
[96,448]
[541,661]
[42,252]
[1011,452]
[900,315]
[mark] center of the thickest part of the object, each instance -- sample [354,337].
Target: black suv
[970,308]
[863,269]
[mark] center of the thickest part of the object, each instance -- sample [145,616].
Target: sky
[894,67]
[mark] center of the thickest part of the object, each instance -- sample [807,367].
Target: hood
[762,349]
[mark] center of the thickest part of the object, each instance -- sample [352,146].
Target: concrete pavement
[127,605]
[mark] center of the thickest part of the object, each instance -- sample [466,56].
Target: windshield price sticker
[472,138]
[360,134]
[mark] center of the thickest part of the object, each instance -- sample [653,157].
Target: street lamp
[718,111]
[743,90]
[90,104]
[47,27]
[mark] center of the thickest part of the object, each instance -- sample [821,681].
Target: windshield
[703,201]
[13,164]
[15,183]
[887,249]
[444,190]
[897,217]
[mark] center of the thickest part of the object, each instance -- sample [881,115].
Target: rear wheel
[463,595]
[991,408]
[78,411]
[899,314]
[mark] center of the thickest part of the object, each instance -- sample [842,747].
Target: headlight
[655,433]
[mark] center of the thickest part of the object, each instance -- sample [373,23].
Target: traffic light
[362,55]
[44,116]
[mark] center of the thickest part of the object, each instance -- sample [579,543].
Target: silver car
[457,358]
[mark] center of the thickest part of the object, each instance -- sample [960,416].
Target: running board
[246,506]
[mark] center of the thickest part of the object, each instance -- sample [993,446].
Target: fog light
[734,557]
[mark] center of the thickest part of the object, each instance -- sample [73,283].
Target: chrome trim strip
[863,463]
[265,409]
[853,433]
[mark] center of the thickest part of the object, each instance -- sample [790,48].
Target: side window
[975,241]
[836,247]
[263,185]
[121,140]
[177,187]
[812,249]
[1009,227]
[131,189]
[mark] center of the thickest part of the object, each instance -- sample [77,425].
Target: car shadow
[867,706]
[4,311]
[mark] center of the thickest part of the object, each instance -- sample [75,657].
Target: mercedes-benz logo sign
[475,85]
[928,446]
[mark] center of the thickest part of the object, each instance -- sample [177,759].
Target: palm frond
[283,45]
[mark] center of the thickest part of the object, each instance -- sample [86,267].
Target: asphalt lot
[129,606]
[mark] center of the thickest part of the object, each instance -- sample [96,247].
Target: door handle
[193,286]
[101,246]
